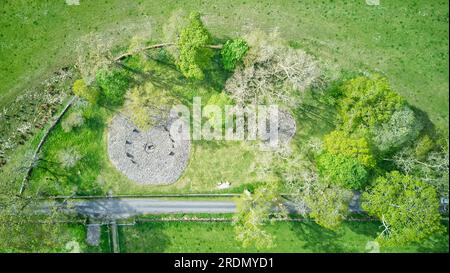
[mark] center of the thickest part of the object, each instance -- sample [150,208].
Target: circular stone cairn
[151,157]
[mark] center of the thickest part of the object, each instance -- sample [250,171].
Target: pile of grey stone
[151,157]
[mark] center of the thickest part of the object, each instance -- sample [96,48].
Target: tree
[328,204]
[339,142]
[431,167]
[113,85]
[272,73]
[81,90]
[407,207]
[233,52]
[21,229]
[193,54]
[342,170]
[402,128]
[148,106]
[367,102]
[254,211]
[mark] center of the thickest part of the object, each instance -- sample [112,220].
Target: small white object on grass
[73,2]
[373,2]
[223,185]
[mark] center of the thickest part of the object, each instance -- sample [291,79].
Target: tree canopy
[193,54]
[402,128]
[407,207]
[367,102]
[81,90]
[342,170]
[113,85]
[339,142]
[253,213]
[233,52]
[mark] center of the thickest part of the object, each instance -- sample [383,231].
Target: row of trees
[381,148]
[375,123]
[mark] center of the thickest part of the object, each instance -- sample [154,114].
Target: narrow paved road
[115,208]
[123,208]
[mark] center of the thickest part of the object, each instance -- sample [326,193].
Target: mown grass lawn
[289,237]
[406,40]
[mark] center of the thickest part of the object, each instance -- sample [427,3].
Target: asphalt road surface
[123,208]
[117,208]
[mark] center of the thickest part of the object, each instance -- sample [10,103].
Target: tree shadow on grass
[144,237]
[317,238]
[367,228]
[436,243]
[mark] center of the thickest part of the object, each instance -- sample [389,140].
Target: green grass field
[406,40]
[210,164]
[290,237]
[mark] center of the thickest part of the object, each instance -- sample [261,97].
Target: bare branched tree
[272,73]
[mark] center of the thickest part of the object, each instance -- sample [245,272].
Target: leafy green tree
[21,229]
[233,52]
[432,167]
[402,128]
[423,147]
[113,85]
[193,54]
[407,207]
[311,195]
[342,170]
[148,105]
[328,204]
[254,211]
[367,102]
[81,90]
[339,142]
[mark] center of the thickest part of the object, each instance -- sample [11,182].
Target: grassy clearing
[73,239]
[290,237]
[211,163]
[408,41]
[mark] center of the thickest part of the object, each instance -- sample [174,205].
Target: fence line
[143,196]
[41,143]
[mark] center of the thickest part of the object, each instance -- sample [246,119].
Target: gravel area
[152,157]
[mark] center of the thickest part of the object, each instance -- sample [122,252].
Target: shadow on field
[316,238]
[147,237]
[370,229]
[436,243]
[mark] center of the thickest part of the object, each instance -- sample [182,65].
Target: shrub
[233,52]
[69,157]
[81,90]
[113,85]
[73,120]
[220,100]
[342,170]
[402,128]
[339,142]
